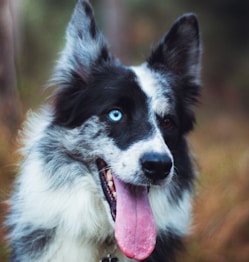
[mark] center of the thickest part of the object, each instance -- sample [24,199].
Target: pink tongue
[135,229]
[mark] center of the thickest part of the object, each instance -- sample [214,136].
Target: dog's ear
[179,50]
[85,46]
[178,56]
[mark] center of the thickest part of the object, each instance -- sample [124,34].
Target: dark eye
[115,115]
[166,123]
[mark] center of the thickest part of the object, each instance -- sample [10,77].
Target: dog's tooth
[114,195]
[109,175]
[110,184]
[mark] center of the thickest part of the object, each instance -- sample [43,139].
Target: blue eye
[115,115]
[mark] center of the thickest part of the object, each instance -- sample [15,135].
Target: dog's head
[128,123]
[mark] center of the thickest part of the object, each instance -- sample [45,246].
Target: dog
[107,174]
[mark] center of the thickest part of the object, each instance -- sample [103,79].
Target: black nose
[156,166]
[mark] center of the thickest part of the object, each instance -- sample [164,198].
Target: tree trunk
[10,108]
[115,28]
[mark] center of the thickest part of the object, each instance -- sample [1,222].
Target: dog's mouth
[108,186]
[135,229]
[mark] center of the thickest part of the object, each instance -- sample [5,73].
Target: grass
[221,206]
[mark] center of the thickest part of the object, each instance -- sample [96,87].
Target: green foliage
[43,28]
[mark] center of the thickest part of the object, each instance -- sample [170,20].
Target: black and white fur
[58,211]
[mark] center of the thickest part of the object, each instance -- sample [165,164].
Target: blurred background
[31,36]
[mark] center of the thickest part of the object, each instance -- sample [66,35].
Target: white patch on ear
[155,87]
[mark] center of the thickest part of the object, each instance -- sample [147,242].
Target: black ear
[179,50]
[178,56]
[85,46]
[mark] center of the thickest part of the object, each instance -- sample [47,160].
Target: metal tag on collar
[109,258]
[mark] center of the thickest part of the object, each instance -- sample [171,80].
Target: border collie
[107,174]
